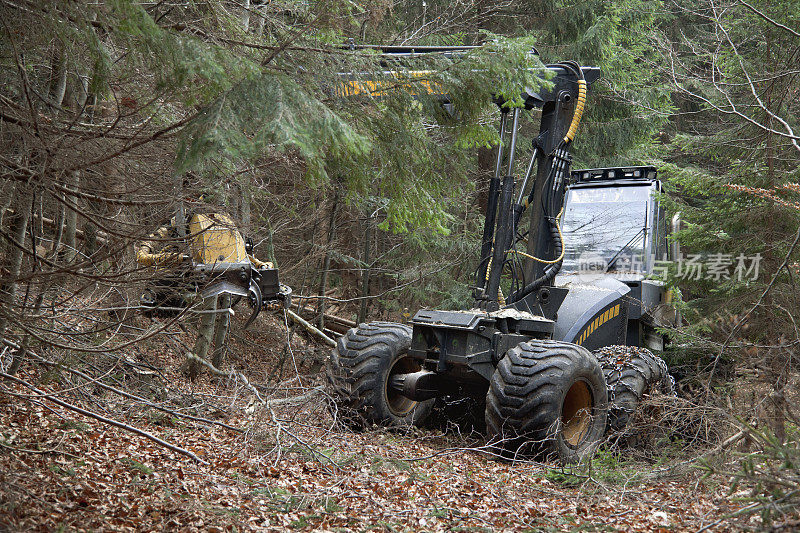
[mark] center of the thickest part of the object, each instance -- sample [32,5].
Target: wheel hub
[398,403]
[576,413]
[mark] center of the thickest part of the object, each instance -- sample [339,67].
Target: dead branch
[103,419]
[238,375]
[296,399]
[127,394]
[230,375]
[49,222]
[768,19]
[311,329]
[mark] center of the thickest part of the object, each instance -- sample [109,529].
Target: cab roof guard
[589,175]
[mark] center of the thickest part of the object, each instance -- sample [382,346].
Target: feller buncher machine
[528,356]
[204,255]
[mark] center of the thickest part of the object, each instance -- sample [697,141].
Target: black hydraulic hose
[552,270]
[549,273]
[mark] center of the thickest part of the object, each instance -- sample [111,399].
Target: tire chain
[615,359]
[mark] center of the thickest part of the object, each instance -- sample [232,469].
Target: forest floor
[287,465]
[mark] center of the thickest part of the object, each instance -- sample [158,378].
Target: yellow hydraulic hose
[145,258]
[576,117]
[560,236]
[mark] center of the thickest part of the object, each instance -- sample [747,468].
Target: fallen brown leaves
[294,470]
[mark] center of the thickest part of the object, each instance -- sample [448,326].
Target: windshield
[607,223]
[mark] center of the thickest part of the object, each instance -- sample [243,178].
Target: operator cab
[614,233]
[613,223]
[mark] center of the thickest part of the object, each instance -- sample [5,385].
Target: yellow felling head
[215,239]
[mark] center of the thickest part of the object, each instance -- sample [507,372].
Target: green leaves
[630,104]
[501,69]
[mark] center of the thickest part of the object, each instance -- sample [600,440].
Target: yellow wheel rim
[576,413]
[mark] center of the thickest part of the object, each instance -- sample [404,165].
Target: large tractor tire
[548,399]
[630,372]
[359,373]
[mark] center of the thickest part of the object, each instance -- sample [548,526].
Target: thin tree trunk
[271,246]
[245,211]
[230,200]
[309,255]
[58,86]
[777,363]
[82,98]
[71,220]
[262,19]
[22,352]
[14,256]
[90,239]
[205,334]
[39,230]
[362,313]
[244,18]
[221,331]
[326,263]
[9,192]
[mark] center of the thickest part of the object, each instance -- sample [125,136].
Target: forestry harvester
[205,256]
[527,357]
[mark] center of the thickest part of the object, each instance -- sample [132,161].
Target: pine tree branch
[754,307]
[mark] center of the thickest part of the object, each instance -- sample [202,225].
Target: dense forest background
[114,112]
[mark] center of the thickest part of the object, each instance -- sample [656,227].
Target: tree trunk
[39,229]
[71,220]
[262,19]
[89,239]
[326,263]
[362,313]
[777,397]
[270,255]
[244,18]
[58,83]
[20,354]
[309,259]
[221,330]
[9,193]
[82,98]
[59,228]
[245,211]
[205,334]
[232,198]
[14,256]
[777,363]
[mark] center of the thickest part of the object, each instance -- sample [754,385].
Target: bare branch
[105,420]
[771,21]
